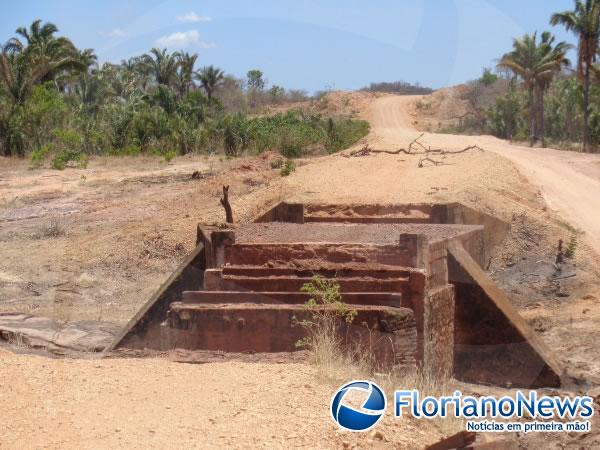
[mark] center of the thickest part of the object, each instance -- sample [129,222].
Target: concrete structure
[412,272]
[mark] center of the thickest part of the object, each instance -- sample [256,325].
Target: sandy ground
[125,226]
[154,403]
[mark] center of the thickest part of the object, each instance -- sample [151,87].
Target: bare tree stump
[560,256]
[226,205]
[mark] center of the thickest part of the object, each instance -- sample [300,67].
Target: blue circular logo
[367,416]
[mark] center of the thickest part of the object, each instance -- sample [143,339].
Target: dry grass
[17,340]
[428,385]
[337,363]
[53,228]
[334,363]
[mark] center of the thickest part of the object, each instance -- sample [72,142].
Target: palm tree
[88,58]
[34,57]
[536,64]
[92,91]
[210,78]
[555,57]
[17,76]
[51,54]
[162,65]
[185,71]
[136,72]
[584,21]
[38,35]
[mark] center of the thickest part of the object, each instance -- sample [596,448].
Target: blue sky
[304,44]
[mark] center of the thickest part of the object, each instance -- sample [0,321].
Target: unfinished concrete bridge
[413,273]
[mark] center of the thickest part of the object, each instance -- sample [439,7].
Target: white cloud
[184,39]
[192,17]
[116,33]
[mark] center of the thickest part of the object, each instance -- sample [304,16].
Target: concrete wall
[144,330]
[494,231]
[283,212]
[438,331]
[493,344]
[389,334]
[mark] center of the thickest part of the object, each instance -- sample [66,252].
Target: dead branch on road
[366,151]
[432,161]
[416,147]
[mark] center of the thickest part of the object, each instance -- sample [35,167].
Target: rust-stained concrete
[391,261]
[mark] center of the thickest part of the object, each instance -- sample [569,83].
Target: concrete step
[389,333]
[365,219]
[319,253]
[217,282]
[389,299]
[331,271]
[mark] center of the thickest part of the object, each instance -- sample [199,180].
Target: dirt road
[569,181]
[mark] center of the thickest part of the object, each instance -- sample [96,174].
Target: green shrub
[327,308]
[68,138]
[38,157]
[342,134]
[149,125]
[129,150]
[288,168]
[291,144]
[571,247]
[236,134]
[277,163]
[488,77]
[60,160]
[45,110]
[169,155]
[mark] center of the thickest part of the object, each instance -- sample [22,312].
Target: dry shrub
[53,228]
[338,361]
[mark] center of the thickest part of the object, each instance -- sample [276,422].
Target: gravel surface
[383,234]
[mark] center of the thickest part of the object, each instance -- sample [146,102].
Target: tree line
[537,93]
[398,87]
[56,100]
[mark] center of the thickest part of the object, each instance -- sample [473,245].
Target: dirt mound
[346,103]
[442,108]
[334,103]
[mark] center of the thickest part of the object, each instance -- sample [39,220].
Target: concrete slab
[493,343]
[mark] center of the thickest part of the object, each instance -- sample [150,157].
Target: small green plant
[277,163]
[169,155]
[38,157]
[288,168]
[60,160]
[571,247]
[488,77]
[327,309]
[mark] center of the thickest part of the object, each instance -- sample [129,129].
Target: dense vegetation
[535,95]
[398,87]
[57,104]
